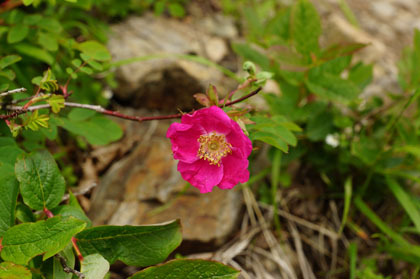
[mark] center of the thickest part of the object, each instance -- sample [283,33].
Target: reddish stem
[1,246]
[31,101]
[76,248]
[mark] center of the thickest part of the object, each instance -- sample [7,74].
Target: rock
[144,187]
[165,77]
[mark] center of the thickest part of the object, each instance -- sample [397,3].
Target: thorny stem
[68,269]
[17,110]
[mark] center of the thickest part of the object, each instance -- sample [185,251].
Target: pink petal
[184,141]
[235,170]
[238,139]
[201,174]
[212,119]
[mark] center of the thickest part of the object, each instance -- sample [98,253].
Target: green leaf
[9,60]
[188,269]
[76,62]
[305,28]
[405,201]
[9,189]
[86,70]
[98,130]
[319,126]
[4,87]
[35,52]
[23,242]
[275,131]
[27,2]
[332,87]
[70,210]
[361,75]
[53,267]
[9,74]
[79,114]
[41,183]
[95,50]
[48,82]
[51,25]
[134,245]
[10,270]
[334,66]
[17,33]
[94,267]
[24,213]
[34,120]
[47,41]
[9,153]
[176,10]
[250,53]
[56,102]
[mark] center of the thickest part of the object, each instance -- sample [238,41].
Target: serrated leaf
[133,245]
[56,102]
[9,60]
[332,87]
[17,33]
[94,267]
[98,130]
[48,82]
[95,50]
[188,269]
[34,121]
[10,270]
[23,242]
[275,131]
[9,189]
[41,183]
[35,52]
[271,140]
[305,27]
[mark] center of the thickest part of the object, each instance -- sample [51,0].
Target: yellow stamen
[213,147]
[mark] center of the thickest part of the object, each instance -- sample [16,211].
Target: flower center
[213,147]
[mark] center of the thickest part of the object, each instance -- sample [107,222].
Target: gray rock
[146,83]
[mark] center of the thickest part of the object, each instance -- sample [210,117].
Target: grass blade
[405,201]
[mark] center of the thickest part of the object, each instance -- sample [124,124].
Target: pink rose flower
[211,148]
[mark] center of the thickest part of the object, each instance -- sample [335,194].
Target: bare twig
[12,92]
[68,269]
